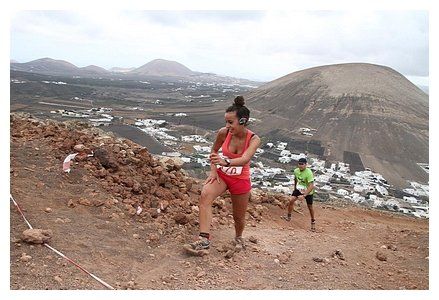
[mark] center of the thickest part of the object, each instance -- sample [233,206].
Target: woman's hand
[216,159]
[212,177]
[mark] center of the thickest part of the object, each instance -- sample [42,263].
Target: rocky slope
[93,216]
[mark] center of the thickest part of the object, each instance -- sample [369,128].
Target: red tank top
[238,172]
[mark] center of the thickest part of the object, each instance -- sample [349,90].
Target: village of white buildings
[97,116]
[332,180]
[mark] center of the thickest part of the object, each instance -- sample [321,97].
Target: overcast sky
[258,45]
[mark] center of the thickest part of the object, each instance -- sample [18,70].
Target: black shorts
[308,198]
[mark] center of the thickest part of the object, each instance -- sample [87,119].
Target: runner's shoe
[313,226]
[286,218]
[199,248]
[239,244]
[201,244]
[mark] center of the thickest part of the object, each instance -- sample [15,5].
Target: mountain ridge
[159,68]
[363,108]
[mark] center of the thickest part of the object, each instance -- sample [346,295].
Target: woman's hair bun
[239,101]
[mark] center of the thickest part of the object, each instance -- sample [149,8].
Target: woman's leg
[239,204]
[208,194]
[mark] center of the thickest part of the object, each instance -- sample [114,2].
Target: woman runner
[230,172]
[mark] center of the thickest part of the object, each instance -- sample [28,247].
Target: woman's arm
[220,137]
[255,142]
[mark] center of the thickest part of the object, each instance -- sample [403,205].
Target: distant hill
[121,70]
[46,66]
[162,67]
[167,70]
[51,66]
[367,109]
[92,69]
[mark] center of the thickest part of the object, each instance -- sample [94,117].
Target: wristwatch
[227,162]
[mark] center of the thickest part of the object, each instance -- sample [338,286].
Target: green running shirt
[304,178]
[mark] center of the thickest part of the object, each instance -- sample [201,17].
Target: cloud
[260,45]
[177,18]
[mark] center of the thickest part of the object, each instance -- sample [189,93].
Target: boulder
[181,218]
[36,236]
[381,256]
[79,148]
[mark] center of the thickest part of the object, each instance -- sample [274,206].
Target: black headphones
[242,121]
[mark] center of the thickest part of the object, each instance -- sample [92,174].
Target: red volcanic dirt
[91,213]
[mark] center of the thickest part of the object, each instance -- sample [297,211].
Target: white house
[326,188]
[342,192]
[421,211]
[284,159]
[373,197]
[285,153]
[357,198]
[282,189]
[377,202]
[393,202]
[322,178]
[186,159]
[203,161]
[359,188]
[298,156]
[411,200]
[281,145]
[171,154]
[259,151]
[192,138]
[382,190]
[199,148]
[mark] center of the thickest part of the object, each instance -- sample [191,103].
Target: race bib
[300,187]
[232,170]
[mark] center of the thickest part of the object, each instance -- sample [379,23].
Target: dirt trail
[135,252]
